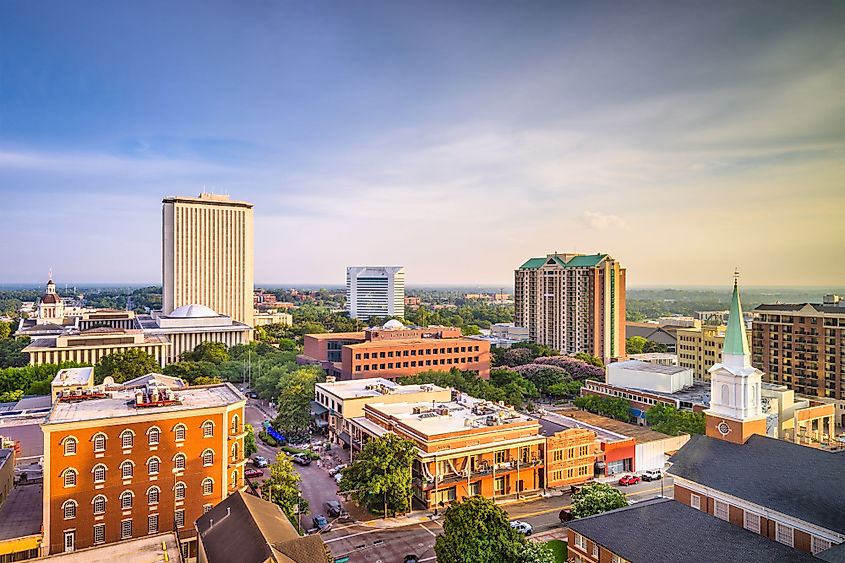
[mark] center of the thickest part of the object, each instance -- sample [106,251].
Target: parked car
[337,468]
[301,459]
[260,461]
[321,523]
[253,472]
[565,516]
[629,480]
[338,477]
[411,559]
[334,508]
[652,475]
[522,527]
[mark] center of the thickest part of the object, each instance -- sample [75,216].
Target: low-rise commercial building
[700,348]
[394,350]
[20,514]
[648,376]
[156,548]
[659,358]
[261,318]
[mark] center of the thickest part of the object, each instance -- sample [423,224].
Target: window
[126,439]
[152,524]
[695,501]
[180,432]
[125,529]
[99,473]
[751,522]
[235,424]
[69,509]
[206,508]
[126,469]
[207,458]
[99,442]
[580,542]
[179,461]
[235,478]
[70,477]
[180,518]
[721,510]
[153,435]
[235,451]
[207,486]
[499,484]
[819,544]
[180,491]
[475,488]
[70,445]
[126,500]
[99,533]
[499,457]
[153,465]
[617,559]
[595,550]
[152,495]
[557,455]
[99,503]
[784,534]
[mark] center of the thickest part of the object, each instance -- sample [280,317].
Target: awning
[321,423]
[318,409]
[344,436]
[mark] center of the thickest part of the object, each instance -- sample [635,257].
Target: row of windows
[127,437]
[570,473]
[99,530]
[415,352]
[569,453]
[415,363]
[127,467]
[69,507]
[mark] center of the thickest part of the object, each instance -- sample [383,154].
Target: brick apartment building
[573,303]
[129,461]
[394,350]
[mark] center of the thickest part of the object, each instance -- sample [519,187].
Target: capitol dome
[193,311]
[393,324]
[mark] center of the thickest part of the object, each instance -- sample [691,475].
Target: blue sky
[456,138]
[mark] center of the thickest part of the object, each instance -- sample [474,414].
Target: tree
[614,407]
[595,498]
[470,330]
[476,530]
[5,330]
[380,475]
[250,447]
[635,345]
[568,389]
[296,391]
[213,352]
[651,347]
[11,352]
[125,365]
[282,488]
[589,359]
[669,420]
[206,380]
[535,552]
[191,371]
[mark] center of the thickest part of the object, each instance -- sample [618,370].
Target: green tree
[470,330]
[213,352]
[589,358]
[190,371]
[380,475]
[567,389]
[669,420]
[11,352]
[595,498]
[282,488]
[614,407]
[296,391]
[476,530]
[5,330]
[651,347]
[535,552]
[11,396]
[250,447]
[125,365]
[635,345]
[206,380]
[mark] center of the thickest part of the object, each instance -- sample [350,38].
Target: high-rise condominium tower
[375,291]
[573,303]
[207,255]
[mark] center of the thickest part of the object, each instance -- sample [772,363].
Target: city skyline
[684,141]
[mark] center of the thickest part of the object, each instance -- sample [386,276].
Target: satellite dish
[108,380]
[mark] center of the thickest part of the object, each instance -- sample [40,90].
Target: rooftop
[20,515]
[808,308]
[74,376]
[121,403]
[640,433]
[373,387]
[577,260]
[668,531]
[766,472]
[392,342]
[338,335]
[697,394]
[653,356]
[147,549]
[649,367]
[207,199]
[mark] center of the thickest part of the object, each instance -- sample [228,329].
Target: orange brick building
[394,350]
[125,462]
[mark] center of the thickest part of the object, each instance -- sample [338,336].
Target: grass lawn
[558,547]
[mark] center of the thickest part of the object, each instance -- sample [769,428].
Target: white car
[337,469]
[522,527]
[338,477]
[652,475]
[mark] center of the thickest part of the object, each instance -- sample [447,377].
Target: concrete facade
[700,348]
[375,291]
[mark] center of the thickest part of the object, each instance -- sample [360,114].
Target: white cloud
[598,220]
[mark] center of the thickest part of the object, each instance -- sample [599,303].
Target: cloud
[602,221]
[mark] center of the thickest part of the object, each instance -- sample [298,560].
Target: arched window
[235,423]
[70,477]
[99,442]
[126,469]
[180,432]
[207,486]
[234,478]
[726,395]
[179,461]
[99,472]
[235,451]
[99,503]
[207,429]
[153,435]
[70,445]
[127,438]
[208,457]
[126,500]
[152,495]
[153,465]
[69,509]
[180,489]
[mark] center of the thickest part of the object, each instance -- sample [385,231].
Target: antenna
[736,275]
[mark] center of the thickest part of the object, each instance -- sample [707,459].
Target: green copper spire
[736,344]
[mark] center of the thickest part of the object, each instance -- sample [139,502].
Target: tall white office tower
[375,291]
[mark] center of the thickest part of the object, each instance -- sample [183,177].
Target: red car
[629,480]
[253,472]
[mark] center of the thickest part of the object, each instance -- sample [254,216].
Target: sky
[456,138]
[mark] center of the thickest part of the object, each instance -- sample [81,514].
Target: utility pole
[385,492]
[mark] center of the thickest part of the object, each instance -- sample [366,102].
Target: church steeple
[735,351]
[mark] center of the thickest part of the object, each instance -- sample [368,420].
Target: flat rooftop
[149,549]
[50,343]
[393,342]
[73,376]
[374,387]
[698,393]
[467,413]
[640,433]
[338,335]
[20,515]
[121,404]
[653,356]
[649,367]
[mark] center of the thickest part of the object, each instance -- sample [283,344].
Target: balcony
[237,431]
[236,461]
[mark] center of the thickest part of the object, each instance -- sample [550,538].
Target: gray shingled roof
[666,531]
[796,480]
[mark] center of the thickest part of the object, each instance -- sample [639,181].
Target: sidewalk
[553,534]
[416,517]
